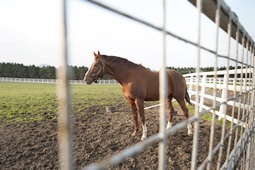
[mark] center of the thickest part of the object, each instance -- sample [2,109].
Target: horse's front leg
[171,112]
[140,106]
[134,113]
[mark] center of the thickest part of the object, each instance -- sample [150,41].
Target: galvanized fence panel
[241,155]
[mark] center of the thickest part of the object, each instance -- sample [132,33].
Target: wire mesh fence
[237,140]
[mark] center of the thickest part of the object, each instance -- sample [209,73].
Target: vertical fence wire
[247,112]
[64,104]
[216,67]
[242,103]
[235,96]
[226,86]
[196,123]
[163,96]
[236,147]
[248,130]
[217,22]
[253,110]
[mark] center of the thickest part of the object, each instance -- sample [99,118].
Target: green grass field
[32,102]
[26,102]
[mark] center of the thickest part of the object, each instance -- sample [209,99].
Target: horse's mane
[122,62]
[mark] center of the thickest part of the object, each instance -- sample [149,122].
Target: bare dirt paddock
[98,135]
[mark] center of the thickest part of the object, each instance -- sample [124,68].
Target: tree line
[32,71]
[77,73]
[187,70]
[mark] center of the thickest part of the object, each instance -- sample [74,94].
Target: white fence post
[190,81]
[202,92]
[224,96]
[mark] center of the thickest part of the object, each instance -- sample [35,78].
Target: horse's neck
[120,74]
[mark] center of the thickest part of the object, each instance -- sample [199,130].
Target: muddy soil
[98,135]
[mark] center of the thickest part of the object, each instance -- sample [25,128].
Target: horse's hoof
[167,128]
[169,125]
[190,129]
[134,134]
[143,138]
[190,133]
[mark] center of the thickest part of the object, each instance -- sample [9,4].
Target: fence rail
[50,81]
[226,89]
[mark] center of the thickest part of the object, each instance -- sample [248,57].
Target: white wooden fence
[236,94]
[227,89]
[50,81]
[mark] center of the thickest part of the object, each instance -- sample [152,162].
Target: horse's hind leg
[185,113]
[140,107]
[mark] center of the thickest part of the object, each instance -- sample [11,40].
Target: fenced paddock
[240,155]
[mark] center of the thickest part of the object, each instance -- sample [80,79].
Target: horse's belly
[152,91]
[152,97]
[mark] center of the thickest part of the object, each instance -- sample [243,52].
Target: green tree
[33,71]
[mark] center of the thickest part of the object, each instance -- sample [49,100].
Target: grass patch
[84,97]
[26,102]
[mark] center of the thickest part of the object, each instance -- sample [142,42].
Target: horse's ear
[95,55]
[98,54]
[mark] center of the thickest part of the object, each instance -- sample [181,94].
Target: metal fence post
[64,103]
[163,97]
[196,115]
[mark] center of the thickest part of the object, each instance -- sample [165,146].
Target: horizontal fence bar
[51,81]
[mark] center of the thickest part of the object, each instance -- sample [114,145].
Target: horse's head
[96,70]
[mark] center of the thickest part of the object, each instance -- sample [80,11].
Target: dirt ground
[98,135]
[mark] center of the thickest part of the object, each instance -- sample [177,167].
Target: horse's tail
[187,97]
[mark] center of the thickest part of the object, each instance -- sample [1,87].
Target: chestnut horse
[139,84]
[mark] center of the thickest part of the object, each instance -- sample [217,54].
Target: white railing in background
[206,81]
[50,81]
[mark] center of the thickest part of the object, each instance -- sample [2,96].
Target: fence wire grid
[241,155]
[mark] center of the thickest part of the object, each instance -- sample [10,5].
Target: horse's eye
[95,65]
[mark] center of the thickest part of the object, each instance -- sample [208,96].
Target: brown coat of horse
[139,84]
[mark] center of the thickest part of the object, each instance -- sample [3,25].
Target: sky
[30,32]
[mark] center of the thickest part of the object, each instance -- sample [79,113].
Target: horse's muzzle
[89,79]
[86,79]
